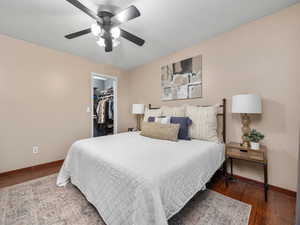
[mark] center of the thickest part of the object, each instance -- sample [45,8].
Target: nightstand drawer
[256,155]
[245,154]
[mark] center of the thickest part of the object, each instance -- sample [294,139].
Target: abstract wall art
[182,80]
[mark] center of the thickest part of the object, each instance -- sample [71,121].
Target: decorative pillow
[151,119]
[184,123]
[160,131]
[173,111]
[152,113]
[204,126]
[161,119]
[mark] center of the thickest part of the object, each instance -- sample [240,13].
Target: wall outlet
[35,149]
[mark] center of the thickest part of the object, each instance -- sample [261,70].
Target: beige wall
[43,99]
[260,57]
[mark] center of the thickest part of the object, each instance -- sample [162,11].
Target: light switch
[88,110]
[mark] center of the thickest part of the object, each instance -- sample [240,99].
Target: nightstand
[238,152]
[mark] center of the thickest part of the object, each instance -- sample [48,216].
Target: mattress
[136,180]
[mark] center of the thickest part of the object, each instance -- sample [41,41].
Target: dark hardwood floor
[20,176]
[279,210]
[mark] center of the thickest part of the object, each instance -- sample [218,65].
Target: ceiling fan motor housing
[106,18]
[103,14]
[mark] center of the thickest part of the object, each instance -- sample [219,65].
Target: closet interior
[103,106]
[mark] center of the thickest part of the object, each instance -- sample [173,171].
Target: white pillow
[173,111]
[205,124]
[152,113]
[163,120]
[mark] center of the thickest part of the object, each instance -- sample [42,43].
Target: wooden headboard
[222,114]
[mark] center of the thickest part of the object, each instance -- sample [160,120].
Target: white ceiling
[166,25]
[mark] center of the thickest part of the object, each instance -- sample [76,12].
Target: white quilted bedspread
[135,180]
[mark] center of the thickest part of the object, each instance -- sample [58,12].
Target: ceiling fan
[106,28]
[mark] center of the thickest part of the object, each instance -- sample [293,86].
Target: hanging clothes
[101,111]
[111,109]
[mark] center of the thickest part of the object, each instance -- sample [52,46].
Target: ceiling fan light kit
[106,29]
[96,29]
[101,42]
[98,32]
[115,32]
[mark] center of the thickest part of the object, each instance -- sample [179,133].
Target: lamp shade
[249,103]
[138,108]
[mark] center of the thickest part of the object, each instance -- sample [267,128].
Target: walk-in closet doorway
[104,105]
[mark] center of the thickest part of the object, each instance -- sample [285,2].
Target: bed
[136,180]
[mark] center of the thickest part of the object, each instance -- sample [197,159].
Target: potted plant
[254,137]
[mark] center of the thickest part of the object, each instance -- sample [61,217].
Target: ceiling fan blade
[86,10]
[78,33]
[127,14]
[131,37]
[108,45]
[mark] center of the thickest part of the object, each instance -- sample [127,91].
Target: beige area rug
[40,202]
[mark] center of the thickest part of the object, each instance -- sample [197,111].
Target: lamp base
[245,129]
[138,121]
[245,144]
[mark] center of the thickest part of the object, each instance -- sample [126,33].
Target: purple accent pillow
[151,119]
[184,122]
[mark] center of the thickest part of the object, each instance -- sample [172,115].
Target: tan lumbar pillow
[160,131]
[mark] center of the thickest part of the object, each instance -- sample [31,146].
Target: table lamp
[246,104]
[138,110]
